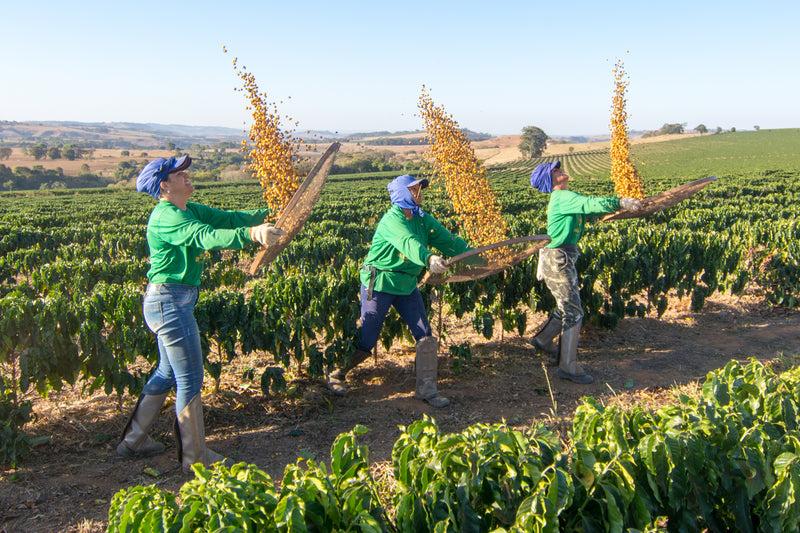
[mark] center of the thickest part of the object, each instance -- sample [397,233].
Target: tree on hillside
[667,129]
[125,171]
[701,128]
[196,150]
[38,151]
[54,152]
[5,152]
[533,142]
[72,152]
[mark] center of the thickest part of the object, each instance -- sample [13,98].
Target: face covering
[402,197]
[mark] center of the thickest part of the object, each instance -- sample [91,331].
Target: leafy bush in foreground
[727,460]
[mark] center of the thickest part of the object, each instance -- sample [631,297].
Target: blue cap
[156,171]
[542,178]
[406,180]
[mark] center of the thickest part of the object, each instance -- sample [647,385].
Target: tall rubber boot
[191,435]
[427,364]
[543,340]
[336,378]
[135,440]
[568,367]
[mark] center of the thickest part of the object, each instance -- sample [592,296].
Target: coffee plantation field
[72,275]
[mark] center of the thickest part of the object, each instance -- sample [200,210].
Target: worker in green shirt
[398,254]
[567,212]
[178,233]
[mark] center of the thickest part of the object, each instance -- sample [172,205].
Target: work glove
[266,234]
[630,204]
[436,265]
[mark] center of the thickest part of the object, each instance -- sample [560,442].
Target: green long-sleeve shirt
[178,239]
[399,250]
[567,213]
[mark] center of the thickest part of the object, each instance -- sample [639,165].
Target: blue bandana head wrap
[542,178]
[401,196]
[156,171]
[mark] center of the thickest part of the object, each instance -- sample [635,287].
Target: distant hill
[131,135]
[394,137]
[121,135]
[178,129]
[580,139]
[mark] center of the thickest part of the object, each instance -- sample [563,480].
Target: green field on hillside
[692,158]
[720,154]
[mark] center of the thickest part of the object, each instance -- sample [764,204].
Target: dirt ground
[67,483]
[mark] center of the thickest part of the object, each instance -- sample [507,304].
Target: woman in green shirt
[567,212]
[397,256]
[178,233]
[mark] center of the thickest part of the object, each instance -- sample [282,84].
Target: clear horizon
[360,66]
[299,134]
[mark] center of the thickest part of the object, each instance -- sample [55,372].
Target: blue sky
[496,66]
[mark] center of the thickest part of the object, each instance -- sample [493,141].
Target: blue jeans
[373,313]
[169,313]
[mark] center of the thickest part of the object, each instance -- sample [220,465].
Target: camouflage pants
[561,277]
